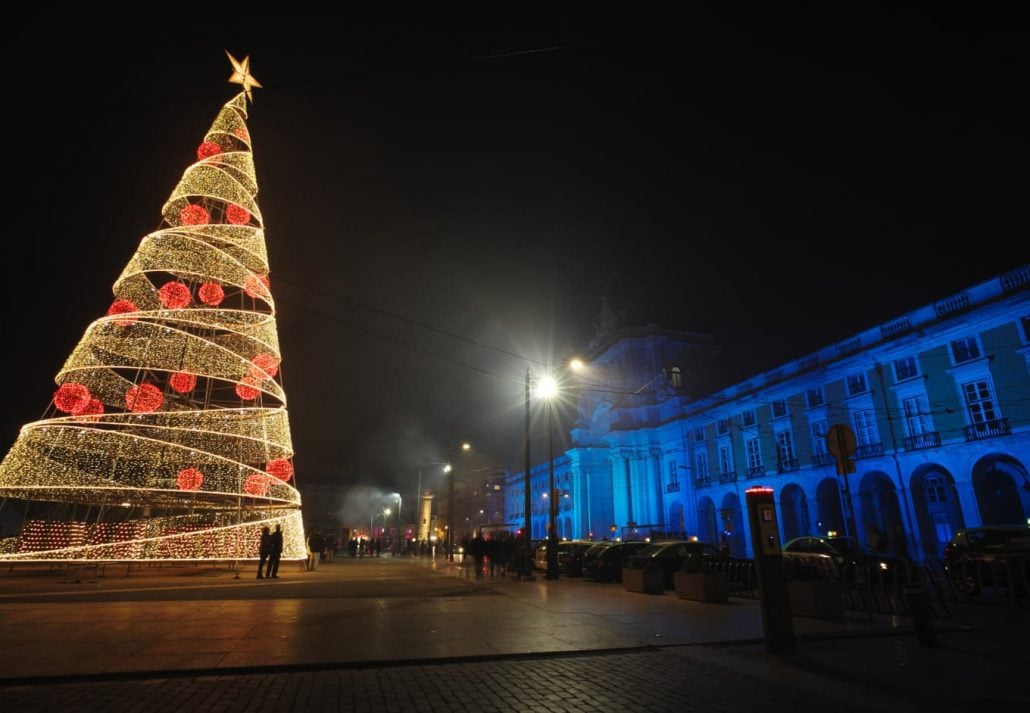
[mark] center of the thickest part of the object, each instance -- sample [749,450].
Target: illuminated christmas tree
[167,437]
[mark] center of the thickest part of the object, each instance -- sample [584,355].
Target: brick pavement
[838,666]
[658,680]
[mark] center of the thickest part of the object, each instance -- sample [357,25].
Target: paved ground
[398,635]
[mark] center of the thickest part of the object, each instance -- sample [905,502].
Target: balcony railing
[702,482]
[755,471]
[823,459]
[728,476]
[786,465]
[930,439]
[987,429]
[672,488]
[869,450]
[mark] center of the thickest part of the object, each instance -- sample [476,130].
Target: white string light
[168,436]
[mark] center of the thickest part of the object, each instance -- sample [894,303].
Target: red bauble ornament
[257,285]
[189,479]
[121,307]
[207,150]
[266,364]
[257,484]
[182,382]
[246,390]
[237,214]
[95,408]
[144,398]
[73,398]
[211,293]
[174,295]
[193,214]
[280,468]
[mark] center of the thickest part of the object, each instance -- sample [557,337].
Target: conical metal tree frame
[168,436]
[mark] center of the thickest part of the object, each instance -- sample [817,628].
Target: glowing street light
[450,503]
[547,389]
[399,524]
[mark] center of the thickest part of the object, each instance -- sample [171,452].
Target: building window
[725,459]
[754,454]
[917,416]
[856,384]
[701,465]
[865,428]
[966,349]
[819,429]
[784,447]
[748,417]
[979,402]
[699,434]
[934,487]
[906,368]
[779,409]
[722,426]
[676,376]
[673,473]
[814,397]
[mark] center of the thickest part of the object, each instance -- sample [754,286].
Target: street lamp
[450,505]
[527,551]
[548,390]
[400,524]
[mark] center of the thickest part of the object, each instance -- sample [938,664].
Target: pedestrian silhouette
[275,552]
[315,544]
[264,550]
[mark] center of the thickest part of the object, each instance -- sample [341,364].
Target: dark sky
[448,198]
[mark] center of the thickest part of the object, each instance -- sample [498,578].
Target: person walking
[315,544]
[264,550]
[275,552]
[478,553]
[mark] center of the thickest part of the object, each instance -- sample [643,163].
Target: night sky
[448,198]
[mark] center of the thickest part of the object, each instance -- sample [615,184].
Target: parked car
[570,556]
[844,558]
[605,560]
[564,548]
[672,556]
[991,555]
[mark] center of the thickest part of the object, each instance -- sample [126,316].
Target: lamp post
[450,507]
[400,524]
[548,389]
[450,515]
[527,552]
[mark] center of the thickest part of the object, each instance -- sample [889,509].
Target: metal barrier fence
[1001,581]
[875,591]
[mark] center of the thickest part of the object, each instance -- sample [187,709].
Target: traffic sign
[840,441]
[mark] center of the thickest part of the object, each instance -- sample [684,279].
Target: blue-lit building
[938,400]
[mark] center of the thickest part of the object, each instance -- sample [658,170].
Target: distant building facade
[938,400]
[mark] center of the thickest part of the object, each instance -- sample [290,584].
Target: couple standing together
[270,550]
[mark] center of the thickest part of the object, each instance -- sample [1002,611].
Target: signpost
[840,442]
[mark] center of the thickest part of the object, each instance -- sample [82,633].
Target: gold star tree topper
[241,75]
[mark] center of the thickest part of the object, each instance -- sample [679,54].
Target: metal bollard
[919,607]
